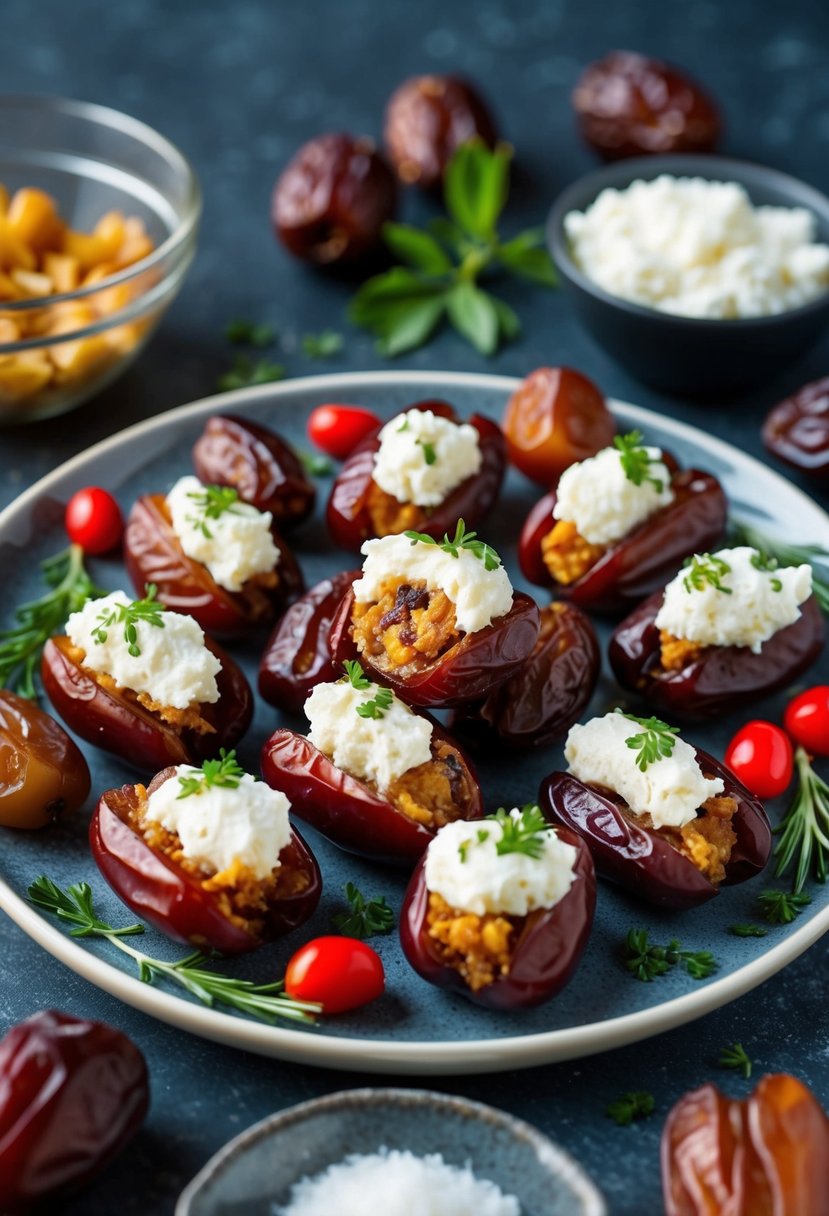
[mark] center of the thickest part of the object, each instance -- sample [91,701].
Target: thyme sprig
[225,773]
[786,554]
[635,460]
[647,962]
[804,829]
[654,742]
[461,540]
[146,610]
[367,918]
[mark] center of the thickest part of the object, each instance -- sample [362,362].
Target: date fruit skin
[331,201]
[346,809]
[43,773]
[639,858]
[723,678]
[298,654]
[768,1153]
[116,722]
[153,554]
[347,514]
[465,672]
[797,429]
[160,891]
[549,943]
[548,693]
[73,1093]
[427,119]
[258,464]
[629,105]
[647,557]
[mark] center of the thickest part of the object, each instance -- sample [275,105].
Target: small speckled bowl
[255,1171]
[690,356]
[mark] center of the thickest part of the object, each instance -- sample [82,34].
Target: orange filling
[676,653]
[566,554]
[390,517]
[406,628]
[478,947]
[706,841]
[434,793]
[180,719]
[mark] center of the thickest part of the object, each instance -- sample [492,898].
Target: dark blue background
[238,85]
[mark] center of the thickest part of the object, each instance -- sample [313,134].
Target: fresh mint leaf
[407,326]
[416,248]
[529,260]
[476,185]
[473,314]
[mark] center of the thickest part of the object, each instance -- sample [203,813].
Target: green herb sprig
[225,773]
[323,345]
[314,465]
[250,333]
[782,907]
[357,678]
[211,502]
[646,962]
[444,263]
[706,569]
[804,829]
[786,554]
[635,460]
[429,453]
[146,610]
[461,540]
[747,930]
[378,706]
[762,561]
[367,918]
[630,1107]
[246,372]
[654,742]
[522,835]
[735,1056]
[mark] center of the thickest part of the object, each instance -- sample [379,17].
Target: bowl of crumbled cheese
[394,1152]
[703,276]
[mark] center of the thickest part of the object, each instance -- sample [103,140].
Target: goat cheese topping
[422,457]
[234,542]
[699,248]
[173,665]
[671,788]
[604,503]
[732,598]
[479,595]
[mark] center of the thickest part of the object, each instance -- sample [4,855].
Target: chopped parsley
[654,742]
[635,460]
[781,907]
[631,1106]
[522,835]
[706,568]
[211,502]
[224,773]
[377,706]
[461,540]
[646,962]
[367,918]
[355,674]
[128,615]
[429,453]
[762,561]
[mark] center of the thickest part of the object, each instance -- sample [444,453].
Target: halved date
[43,774]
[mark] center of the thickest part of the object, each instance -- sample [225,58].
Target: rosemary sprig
[630,1107]
[747,930]
[654,742]
[804,829]
[741,533]
[146,610]
[367,918]
[635,460]
[461,540]
[781,907]
[224,773]
[735,1056]
[646,962]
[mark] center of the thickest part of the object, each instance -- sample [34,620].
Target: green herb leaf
[461,540]
[417,248]
[734,1056]
[635,460]
[646,962]
[476,185]
[245,373]
[655,742]
[526,256]
[804,829]
[747,930]
[761,561]
[706,568]
[378,705]
[630,1107]
[356,676]
[224,773]
[509,326]
[249,333]
[781,907]
[323,345]
[429,453]
[211,502]
[523,835]
[146,611]
[314,465]
[474,315]
[741,533]
[367,918]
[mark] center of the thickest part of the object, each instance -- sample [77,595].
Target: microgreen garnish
[211,502]
[522,835]
[655,741]
[264,1001]
[706,568]
[429,453]
[36,621]
[367,918]
[735,1056]
[224,773]
[146,610]
[804,829]
[377,706]
[250,333]
[787,555]
[405,425]
[245,373]
[314,465]
[781,907]
[645,962]
[635,460]
[461,540]
[630,1107]
[443,264]
[747,930]
[356,676]
[323,345]
[762,561]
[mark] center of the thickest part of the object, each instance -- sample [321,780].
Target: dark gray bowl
[257,1170]
[687,356]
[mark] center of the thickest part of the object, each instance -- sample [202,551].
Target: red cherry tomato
[340,973]
[93,520]
[760,754]
[337,429]
[807,719]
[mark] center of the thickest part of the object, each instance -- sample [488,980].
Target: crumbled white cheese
[479,595]
[751,606]
[395,1182]
[234,546]
[699,248]
[174,666]
[602,501]
[671,789]
[464,867]
[379,749]
[423,456]
[220,825]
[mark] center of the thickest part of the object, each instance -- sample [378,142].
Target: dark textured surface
[238,86]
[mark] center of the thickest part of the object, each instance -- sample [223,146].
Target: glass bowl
[136,198]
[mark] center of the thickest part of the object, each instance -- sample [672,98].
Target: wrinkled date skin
[639,858]
[331,201]
[259,465]
[298,654]
[646,558]
[427,119]
[797,430]
[722,678]
[347,512]
[629,105]
[549,944]
[547,694]
[43,774]
[160,891]
[73,1093]
[153,554]
[113,720]
[347,810]
[465,672]
[767,1155]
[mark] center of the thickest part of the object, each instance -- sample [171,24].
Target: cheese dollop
[220,825]
[699,248]
[407,446]
[464,867]
[173,665]
[239,543]
[751,607]
[670,790]
[601,500]
[479,595]
[378,750]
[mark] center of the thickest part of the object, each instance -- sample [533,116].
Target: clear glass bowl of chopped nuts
[98,222]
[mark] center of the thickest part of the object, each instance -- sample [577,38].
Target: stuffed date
[43,775]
